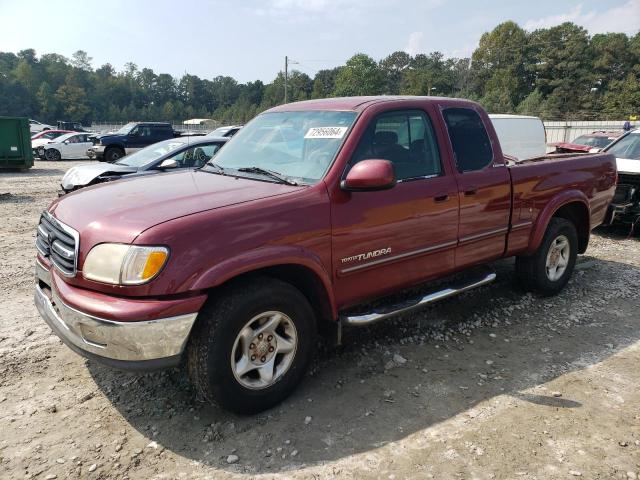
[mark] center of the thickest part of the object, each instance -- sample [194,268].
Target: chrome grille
[59,243]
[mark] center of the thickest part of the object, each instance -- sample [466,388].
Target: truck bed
[536,181]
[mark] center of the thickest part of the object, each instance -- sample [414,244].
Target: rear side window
[469,139]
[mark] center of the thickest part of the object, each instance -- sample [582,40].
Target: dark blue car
[130,138]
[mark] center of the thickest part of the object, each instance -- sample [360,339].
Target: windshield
[599,142]
[627,147]
[219,132]
[298,145]
[124,130]
[150,154]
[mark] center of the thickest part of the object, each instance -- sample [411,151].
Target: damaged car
[625,207]
[176,153]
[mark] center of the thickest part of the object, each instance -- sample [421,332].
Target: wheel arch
[305,273]
[119,146]
[571,205]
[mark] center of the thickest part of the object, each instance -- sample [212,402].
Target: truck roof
[512,117]
[358,103]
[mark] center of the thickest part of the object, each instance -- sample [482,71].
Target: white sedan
[68,146]
[37,127]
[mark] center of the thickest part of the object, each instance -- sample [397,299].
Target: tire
[546,271]
[225,339]
[112,154]
[52,155]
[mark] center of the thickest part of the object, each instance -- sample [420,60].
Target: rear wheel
[112,154]
[251,345]
[52,155]
[548,270]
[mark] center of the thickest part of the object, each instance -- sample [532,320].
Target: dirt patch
[494,384]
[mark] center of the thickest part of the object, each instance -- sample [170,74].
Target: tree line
[557,73]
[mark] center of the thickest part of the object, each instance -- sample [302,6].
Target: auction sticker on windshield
[326,132]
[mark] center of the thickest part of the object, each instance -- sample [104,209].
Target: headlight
[121,264]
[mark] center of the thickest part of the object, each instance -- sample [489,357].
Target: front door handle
[470,191]
[441,198]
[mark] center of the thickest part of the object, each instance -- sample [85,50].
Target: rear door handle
[471,191]
[441,198]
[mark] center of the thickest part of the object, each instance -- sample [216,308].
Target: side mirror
[66,142]
[168,163]
[370,175]
[133,134]
[595,150]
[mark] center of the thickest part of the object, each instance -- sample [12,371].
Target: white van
[520,136]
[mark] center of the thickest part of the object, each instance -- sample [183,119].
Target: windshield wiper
[269,173]
[219,169]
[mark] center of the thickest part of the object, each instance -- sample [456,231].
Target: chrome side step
[412,304]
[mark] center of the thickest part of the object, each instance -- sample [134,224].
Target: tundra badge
[367,255]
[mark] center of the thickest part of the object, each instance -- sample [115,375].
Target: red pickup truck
[311,212]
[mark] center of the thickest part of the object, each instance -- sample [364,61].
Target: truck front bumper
[141,345]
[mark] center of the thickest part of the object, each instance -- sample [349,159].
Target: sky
[248,39]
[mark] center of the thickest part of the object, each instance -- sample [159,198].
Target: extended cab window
[469,139]
[161,130]
[406,139]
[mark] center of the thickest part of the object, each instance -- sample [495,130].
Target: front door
[386,240]
[138,138]
[484,188]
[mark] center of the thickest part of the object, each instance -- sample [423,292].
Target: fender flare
[264,257]
[114,145]
[544,217]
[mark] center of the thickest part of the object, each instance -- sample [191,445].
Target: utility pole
[286,76]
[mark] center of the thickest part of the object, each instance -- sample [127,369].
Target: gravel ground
[494,384]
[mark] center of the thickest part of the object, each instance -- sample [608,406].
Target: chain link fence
[566,131]
[557,131]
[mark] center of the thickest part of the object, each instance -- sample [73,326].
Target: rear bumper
[131,345]
[96,152]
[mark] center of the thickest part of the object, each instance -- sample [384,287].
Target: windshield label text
[326,132]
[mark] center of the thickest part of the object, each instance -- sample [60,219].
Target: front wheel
[251,345]
[112,154]
[52,155]
[548,270]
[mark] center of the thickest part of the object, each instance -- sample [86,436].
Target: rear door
[484,187]
[163,132]
[73,149]
[85,144]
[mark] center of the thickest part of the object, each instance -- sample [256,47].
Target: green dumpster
[15,143]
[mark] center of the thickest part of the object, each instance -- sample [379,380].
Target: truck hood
[120,211]
[107,136]
[83,175]
[626,165]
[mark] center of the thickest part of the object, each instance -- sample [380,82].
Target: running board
[392,310]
